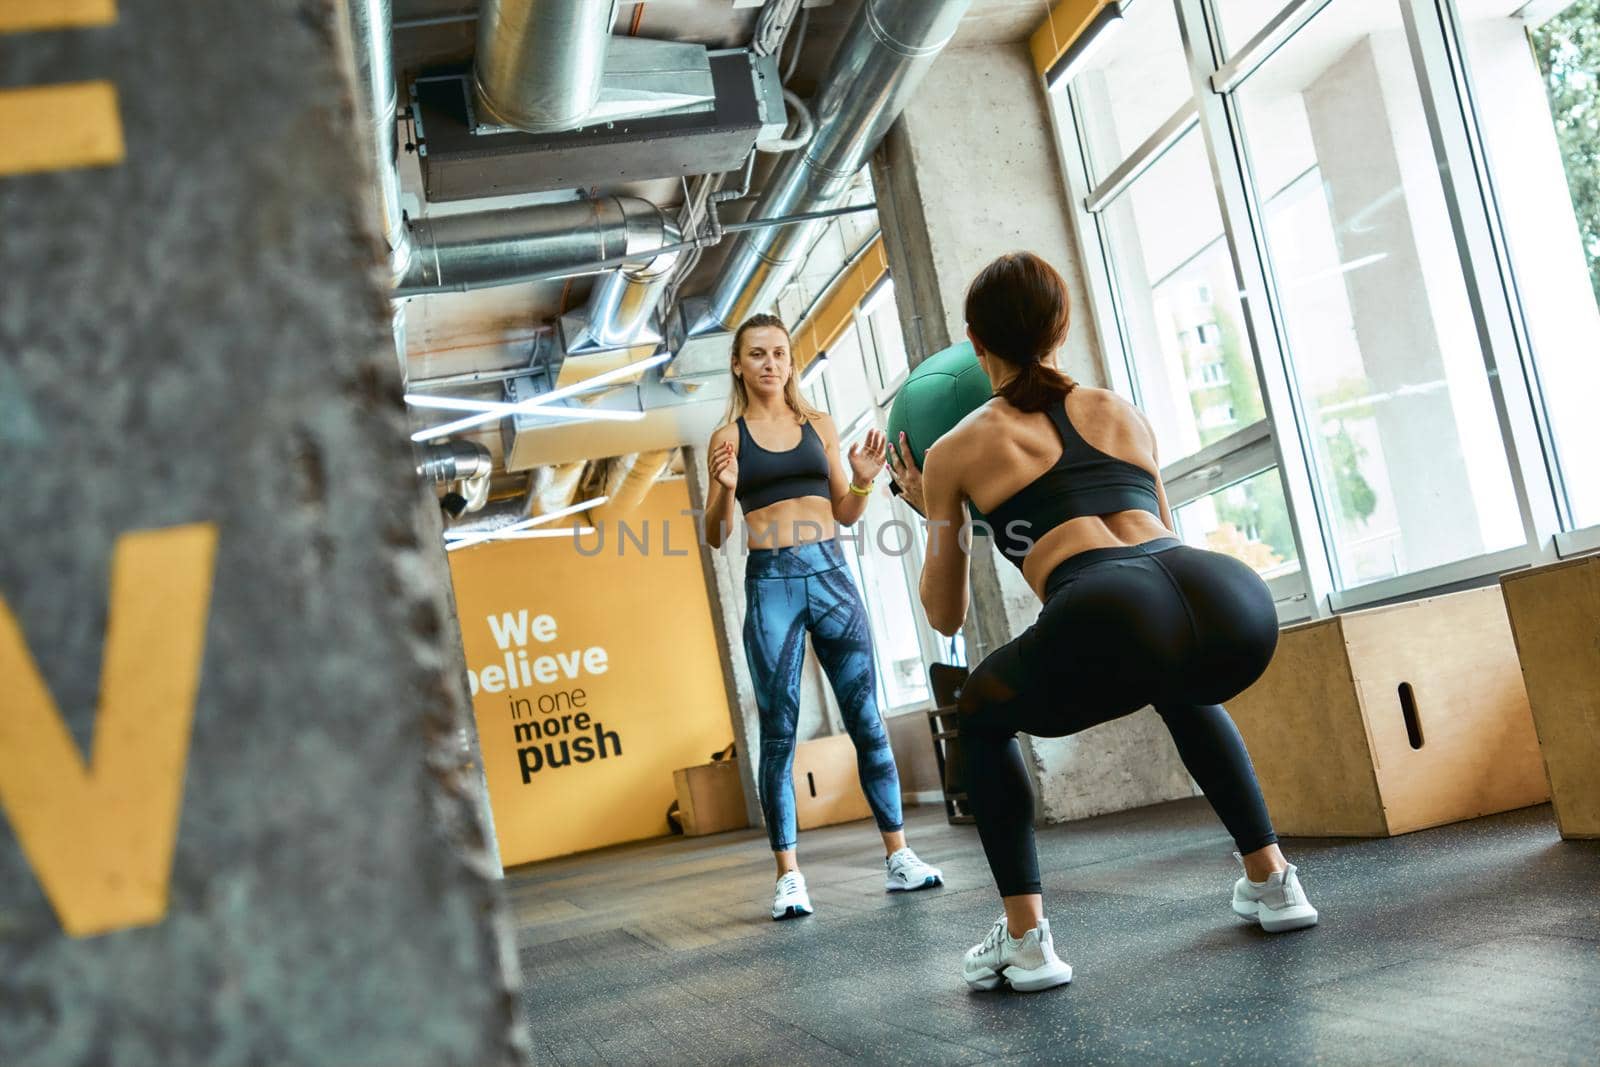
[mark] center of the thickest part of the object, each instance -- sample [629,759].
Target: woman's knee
[982,694]
[867,731]
[777,750]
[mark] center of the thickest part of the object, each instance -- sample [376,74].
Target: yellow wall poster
[594,674]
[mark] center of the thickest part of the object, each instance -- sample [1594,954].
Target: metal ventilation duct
[455,253]
[672,417]
[460,252]
[631,480]
[371,32]
[880,62]
[540,63]
[735,100]
[622,303]
[466,462]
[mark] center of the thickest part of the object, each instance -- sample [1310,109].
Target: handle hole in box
[811,782]
[1408,709]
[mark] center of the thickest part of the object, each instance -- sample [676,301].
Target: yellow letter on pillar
[100,836]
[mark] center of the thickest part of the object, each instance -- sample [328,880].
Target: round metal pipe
[540,62]
[880,62]
[621,303]
[455,253]
[371,34]
[452,461]
[423,277]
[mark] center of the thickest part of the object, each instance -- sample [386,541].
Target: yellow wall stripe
[58,127]
[824,325]
[17,16]
[1067,21]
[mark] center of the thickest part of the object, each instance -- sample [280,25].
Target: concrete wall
[969,172]
[197,335]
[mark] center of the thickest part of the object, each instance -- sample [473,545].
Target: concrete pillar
[724,573]
[968,172]
[234,695]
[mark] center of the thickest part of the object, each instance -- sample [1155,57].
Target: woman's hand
[866,457]
[907,475]
[725,466]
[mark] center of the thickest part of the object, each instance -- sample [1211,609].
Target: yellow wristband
[861,492]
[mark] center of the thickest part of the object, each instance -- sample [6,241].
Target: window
[1537,105]
[847,373]
[1242,19]
[1129,92]
[878,311]
[1178,303]
[835,245]
[1248,521]
[1381,337]
[1383,218]
[878,564]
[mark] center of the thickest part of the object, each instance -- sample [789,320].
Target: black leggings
[1159,623]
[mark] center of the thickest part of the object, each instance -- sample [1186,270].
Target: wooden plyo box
[827,788]
[1385,721]
[1555,615]
[710,798]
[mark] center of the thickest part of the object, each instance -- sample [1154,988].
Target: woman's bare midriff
[791,522]
[1117,530]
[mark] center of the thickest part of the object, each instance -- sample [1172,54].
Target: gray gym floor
[1476,944]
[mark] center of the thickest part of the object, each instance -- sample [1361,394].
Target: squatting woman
[1068,480]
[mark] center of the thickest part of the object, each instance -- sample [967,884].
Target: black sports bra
[1084,481]
[768,477]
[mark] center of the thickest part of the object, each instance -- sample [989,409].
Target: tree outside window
[1568,50]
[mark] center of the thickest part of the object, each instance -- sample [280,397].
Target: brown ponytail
[1018,309]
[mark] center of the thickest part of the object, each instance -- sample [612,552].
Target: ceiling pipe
[525,505]
[467,462]
[453,461]
[562,490]
[371,31]
[883,57]
[631,480]
[621,303]
[456,253]
[540,63]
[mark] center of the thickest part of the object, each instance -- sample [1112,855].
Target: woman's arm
[944,569]
[722,460]
[865,461]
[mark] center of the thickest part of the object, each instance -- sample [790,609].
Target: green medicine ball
[941,391]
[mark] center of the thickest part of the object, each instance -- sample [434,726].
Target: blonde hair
[739,398]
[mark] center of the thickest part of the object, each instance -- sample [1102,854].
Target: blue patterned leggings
[790,592]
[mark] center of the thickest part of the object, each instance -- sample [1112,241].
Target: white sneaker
[1027,964]
[907,873]
[1278,904]
[789,900]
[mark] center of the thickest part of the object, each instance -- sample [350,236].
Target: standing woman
[793,491]
[1069,481]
